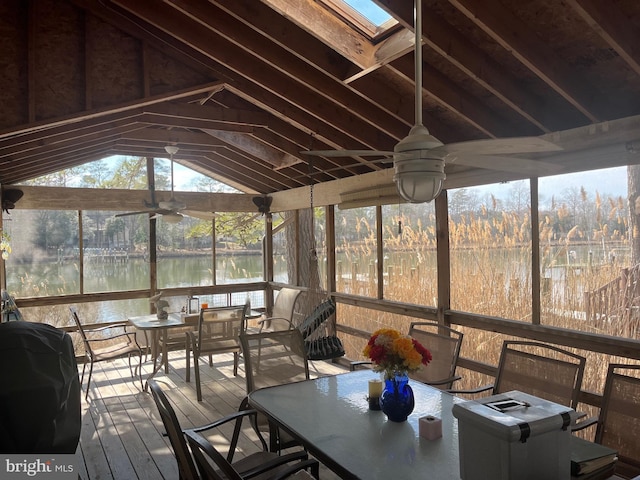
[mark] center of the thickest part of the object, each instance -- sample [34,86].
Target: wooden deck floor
[121,436]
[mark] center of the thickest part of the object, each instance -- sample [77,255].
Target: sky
[370,10]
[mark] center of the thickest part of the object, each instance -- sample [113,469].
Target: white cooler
[514,436]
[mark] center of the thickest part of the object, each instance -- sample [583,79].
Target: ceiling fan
[419,158]
[173,210]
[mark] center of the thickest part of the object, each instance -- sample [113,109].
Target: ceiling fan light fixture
[173,217]
[171,149]
[419,138]
[419,180]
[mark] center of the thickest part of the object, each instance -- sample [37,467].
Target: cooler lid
[515,416]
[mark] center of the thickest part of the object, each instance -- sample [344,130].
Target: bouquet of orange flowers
[392,352]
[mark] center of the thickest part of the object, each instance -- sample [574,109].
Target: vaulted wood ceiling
[242,86]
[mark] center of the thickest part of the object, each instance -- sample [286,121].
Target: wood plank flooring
[121,436]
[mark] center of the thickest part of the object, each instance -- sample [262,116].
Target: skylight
[363,15]
[370,11]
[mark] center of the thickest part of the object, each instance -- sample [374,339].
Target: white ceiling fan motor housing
[418,172]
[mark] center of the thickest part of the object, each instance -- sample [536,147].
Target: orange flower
[391,352]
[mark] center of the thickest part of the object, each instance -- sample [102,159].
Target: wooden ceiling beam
[239,172]
[67,120]
[120,200]
[35,140]
[210,113]
[611,24]
[253,147]
[285,136]
[16,172]
[193,123]
[182,138]
[57,153]
[323,25]
[443,39]
[207,29]
[52,150]
[516,37]
[446,93]
[321,55]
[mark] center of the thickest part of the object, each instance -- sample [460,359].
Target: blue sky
[370,10]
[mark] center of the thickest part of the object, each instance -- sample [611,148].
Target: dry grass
[490,275]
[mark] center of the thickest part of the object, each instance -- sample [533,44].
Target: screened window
[490,244]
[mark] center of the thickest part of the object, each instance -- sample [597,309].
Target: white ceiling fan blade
[173,205]
[347,153]
[500,146]
[506,164]
[132,213]
[199,214]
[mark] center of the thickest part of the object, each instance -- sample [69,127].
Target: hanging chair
[315,328]
[321,347]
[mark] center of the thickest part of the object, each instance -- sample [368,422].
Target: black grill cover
[39,390]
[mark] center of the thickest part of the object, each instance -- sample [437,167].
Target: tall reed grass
[491,275]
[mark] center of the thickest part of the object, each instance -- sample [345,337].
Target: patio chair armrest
[354,365]
[444,381]
[484,388]
[123,325]
[581,425]
[130,335]
[282,460]
[262,321]
[226,419]
[303,465]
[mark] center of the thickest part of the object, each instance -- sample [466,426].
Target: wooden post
[443,256]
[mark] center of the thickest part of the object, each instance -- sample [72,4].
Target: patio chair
[175,339]
[117,343]
[282,313]
[187,468]
[444,344]
[538,369]
[618,424]
[268,465]
[218,332]
[274,358]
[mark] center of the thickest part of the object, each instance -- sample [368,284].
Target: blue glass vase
[397,400]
